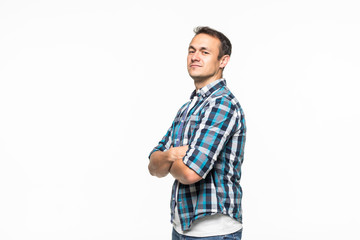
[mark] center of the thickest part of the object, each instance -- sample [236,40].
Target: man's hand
[160,162]
[176,153]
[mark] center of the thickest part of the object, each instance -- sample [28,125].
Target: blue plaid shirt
[214,129]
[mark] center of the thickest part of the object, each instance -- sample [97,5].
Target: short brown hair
[225,46]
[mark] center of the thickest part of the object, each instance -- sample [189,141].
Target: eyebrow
[202,48]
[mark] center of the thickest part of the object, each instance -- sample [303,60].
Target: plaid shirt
[214,129]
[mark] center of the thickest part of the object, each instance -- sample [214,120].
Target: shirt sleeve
[217,123]
[166,141]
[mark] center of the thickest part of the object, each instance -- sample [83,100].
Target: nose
[195,56]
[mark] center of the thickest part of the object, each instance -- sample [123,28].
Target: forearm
[159,164]
[183,173]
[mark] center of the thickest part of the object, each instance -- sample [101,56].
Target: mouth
[194,65]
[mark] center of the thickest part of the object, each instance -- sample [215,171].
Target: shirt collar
[208,89]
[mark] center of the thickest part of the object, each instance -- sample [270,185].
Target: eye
[191,51]
[205,52]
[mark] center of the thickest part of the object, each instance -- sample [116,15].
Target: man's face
[202,61]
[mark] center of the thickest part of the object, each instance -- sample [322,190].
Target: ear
[224,61]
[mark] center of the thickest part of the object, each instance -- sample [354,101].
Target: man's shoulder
[224,96]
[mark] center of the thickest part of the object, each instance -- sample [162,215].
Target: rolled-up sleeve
[165,142]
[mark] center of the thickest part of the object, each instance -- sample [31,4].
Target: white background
[88,88]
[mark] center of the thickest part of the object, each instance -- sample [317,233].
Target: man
[204,147]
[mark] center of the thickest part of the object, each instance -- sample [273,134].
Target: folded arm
[161,162]
[183,173]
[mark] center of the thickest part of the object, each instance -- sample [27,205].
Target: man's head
[225,44]
[209,53]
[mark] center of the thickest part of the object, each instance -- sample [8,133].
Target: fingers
[176,153]
[183,149]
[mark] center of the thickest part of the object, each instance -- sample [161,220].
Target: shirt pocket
[194,125]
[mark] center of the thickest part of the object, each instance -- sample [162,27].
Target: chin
[195,75]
